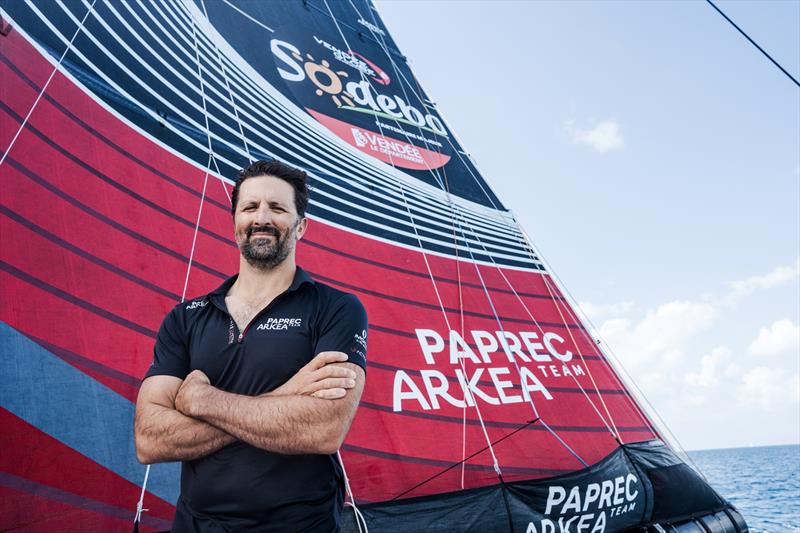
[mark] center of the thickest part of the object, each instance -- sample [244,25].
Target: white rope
[139,505]
[358,516]
[399,74]
[605,349]
[212,38]
[519,372]
[253,19]
[47,83]
[138,517]
[541,331]
[495,463]
[463,234]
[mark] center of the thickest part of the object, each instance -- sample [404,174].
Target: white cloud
[661,336]
[766,387]
[603,137]
[604,311]
[710,369]
[779,276]
[781,336]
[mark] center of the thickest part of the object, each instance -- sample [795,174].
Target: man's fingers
[331,371]
[331,383]
[324,358]
[330,394]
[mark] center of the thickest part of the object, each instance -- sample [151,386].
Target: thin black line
[754,43]
[464,460]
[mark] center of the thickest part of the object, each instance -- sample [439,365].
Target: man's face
[266,225]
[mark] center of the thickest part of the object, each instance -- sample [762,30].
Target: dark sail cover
[488,406]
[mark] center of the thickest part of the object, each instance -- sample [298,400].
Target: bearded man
[254,385]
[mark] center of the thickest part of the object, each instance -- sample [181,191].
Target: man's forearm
[164,434]
[282,424]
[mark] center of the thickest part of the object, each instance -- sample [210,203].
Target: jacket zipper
[258,315]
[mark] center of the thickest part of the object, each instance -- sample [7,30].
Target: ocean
[762,482]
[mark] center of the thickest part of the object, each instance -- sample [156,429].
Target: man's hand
[162,433]
[191,389]
[320,378]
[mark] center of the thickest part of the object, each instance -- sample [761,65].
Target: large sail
[488,406]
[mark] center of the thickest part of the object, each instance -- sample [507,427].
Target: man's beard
[266,254]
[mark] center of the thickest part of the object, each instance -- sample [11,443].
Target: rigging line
[615,432]
[430,272]
[352,502]
[446,189]
[423,102]
[519,371]
[663,426]
[212,37]
[496,442]
[541,331]
[211,87]
[196,228]
[47,83]
[140,504]
[753,43]
[491,303]
[572,307]
[252,19]
[580,352]
[400,74]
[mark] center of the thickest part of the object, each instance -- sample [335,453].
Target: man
[254,385]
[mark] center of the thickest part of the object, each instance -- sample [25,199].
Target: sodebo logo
[360,95]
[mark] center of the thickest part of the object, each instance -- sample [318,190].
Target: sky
[653,156]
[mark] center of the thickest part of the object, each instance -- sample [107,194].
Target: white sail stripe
[121,41]
[436,204]
[155,117]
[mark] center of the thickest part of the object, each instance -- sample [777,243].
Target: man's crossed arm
[180,420]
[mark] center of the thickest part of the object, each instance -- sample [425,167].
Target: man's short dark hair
[277,169]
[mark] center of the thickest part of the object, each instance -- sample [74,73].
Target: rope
[446,188]
[250,17]
[495,463]
[212,37]
[211,157]
[676,444]
[358,516]
[138,517]
[541,331]
[753,43]
[47,83]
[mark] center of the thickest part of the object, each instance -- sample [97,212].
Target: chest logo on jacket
[276,324]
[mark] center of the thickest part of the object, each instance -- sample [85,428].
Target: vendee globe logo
[353,97]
